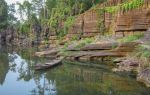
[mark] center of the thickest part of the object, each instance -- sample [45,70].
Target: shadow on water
[18,77]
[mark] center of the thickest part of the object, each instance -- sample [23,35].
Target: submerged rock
[127,65]
[144,76]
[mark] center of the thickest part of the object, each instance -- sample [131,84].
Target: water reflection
[24,71]
[4,67]
[44,87]
[19,65]
[18,77]
[17,72]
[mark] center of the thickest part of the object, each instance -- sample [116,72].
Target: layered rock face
[133,21]
[137,20]
[85,25]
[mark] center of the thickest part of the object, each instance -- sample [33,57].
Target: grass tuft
[131,38]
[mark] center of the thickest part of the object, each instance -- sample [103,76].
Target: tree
[11,14]
[28,9]
[38,5]
[3,14]
[21,10]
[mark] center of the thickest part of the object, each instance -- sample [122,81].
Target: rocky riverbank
[102,51]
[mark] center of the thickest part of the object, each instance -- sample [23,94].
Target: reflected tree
[4,67]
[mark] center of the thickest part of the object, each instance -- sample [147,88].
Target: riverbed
[19,77]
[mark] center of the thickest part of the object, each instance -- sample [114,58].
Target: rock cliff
[137,20]
[87,24]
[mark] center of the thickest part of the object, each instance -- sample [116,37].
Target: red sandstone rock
[136,20]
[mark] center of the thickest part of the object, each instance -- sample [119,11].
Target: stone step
[99,54]
[47,52]
[105,46]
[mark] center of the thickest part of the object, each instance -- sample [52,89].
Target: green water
[18,77]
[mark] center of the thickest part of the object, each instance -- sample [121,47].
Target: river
[18,77]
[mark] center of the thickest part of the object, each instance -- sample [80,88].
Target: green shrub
[128,5]
[74,38]
[69,22]
[143,51]
[84,42]
[131,38]
[143,54]
[65,45]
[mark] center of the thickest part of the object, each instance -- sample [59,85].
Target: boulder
[144,76]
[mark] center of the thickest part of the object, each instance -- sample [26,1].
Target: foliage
[75,37]
[3,14]
[30,10]
[101,20]
[24,28]
[27,8]
[11,11]
[69,22]
[112,9]
[128,5]
[142,53]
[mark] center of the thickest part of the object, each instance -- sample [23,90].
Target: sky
[13,1]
